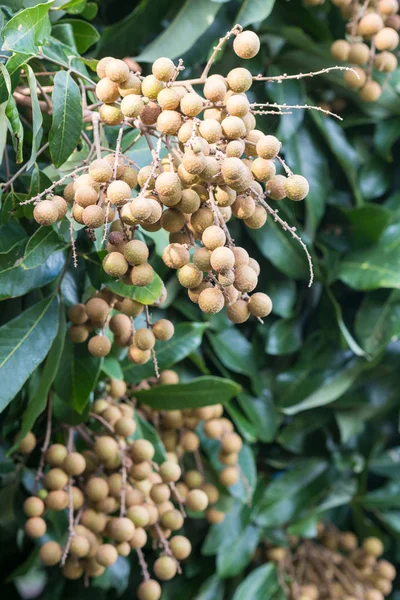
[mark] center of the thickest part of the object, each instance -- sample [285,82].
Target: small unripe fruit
[170,472]
[231,442]
[260,305]
[371,91]
[45,213]
[55,479]
[239,80]
[122,529]
[35,527]
[149,590]
[99,345]
[180,547]
[168,377]
[296,187]
[359,53]
[74,464]
[106,555]
[386,39]
[136,252]
[197,500]
[125,427]
[117,70]
[27,443]
[50,554]
[211,301]
[340,50]
[115,264]
[165,568]
[142,275]
[172,519]
[142,450]
[190,276]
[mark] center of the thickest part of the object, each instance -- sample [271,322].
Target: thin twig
[285,76]
[143,564]
[46,443]
[54,185]
[22,169]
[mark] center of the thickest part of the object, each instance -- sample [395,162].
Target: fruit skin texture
[373,546]
[149,590]
[180,546]
[99,345]
[45,213]
[371,91]
[340,50]
[50,553]
[296,187]
[355,80]
[165,568]
[211,301]
[260,305]
[246,44]
[27,444]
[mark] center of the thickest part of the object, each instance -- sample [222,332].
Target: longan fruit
[263,169]
[369,25]
[194,163]
[115,264]
[257,219]
[61,205]
[168,99]
[163,330]
[163,69]
[238,312]
[165,568]
[77,212]
[386,39]
[386,62]
[211,301]
[222,259]
[388,7]
[238,106]
[172,519]
[149,590]
[121,529]
[340,50]
[211,491]
[169,122]
[151,87]
[85,196]
[74,464]
[86,180]
[260,305]
[106,555]
[168,184]
[231,443]
[69,193]
[93,216]
[129,176]
[45,213]
[118,192]
[210,130]
[175,256]
[141,450]
[239,80]
[50,553]
[201,258]
[56,454]
[168,377]
[172,220]
[245,279]
[139,357]
[189,441]
[101,66]
[55,479]
[229,476]
[142,275]
[371,91]
[97,310]
[80,546]
[131,85]
[235,173]
[214,89]
[246,44]
[235,148]
[356,78]
[132,106]
[144,339]
[212,170]
[35,527]
[107,91]
[105,447]
[191,104]
[244,206]
[99,345]
[196,500]
[233,128]
[373,546]
[116,70]
[213,237]
[96,489]
[190,276]
[296,187]
[110,114]
[180,547]
[136,252]
[138,515]
[193,479]
[215,516]
[224,195]
[373,595]
[386,570]
[359,53]
[78,498]
[169,472]
[77,314]
[27,443]
[33,507]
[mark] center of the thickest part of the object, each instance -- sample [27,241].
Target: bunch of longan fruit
[209,163]
[118,500]
[106,309]
[336,567]
[372,37]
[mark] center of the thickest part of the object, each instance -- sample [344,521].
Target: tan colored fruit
[211,491]
[56,455]
[197,500]
[224,196]
[107,91]
[386,570]
[61,205]
[260,305]
[139,357]
[144,339]
[45,213]
[131,85]
[78,334]
[150,113]
[74,464]
[386,39]
[105,447]
[239,80]
[151,87]
[69,192]
[296,187]
[121,529]
[359,53]
[55,479]
[77,314]
[213,237]
[190,276]
[238,312]
[168,184]
[101,66]
[97,310]
[163,330]
[142,450]
[99,345]
[27,443]
[35,527]
[210,130]
[357,79]
[80,546]
[231,442]
[244,206]
[138,515]
[340,50]
[235,174]
[168,99]
[180,547]
[33,507]
[163,69]
[211,301]
[201,259]
[371,91]
[129,176]
[116,70]
[233,128]
[110,114]
[214,89]
[172,220]
[93,216]
[132,106]
[257,219]
[169,472]
[50,554]
[118,192]
[85,180]
[238,106]
[373,546]
[246,44]
[136,252]
[191,104]
[229,476]
[386,62]
[115,264]
[168,377]
[96,489]
[388,7]
[106,555]
[169,122]
[222,259]
[172,519]
[369,25]
[149,590]
[77,212]
[374,595]
[86,195]
[245,279]
[275,187]
[215,516]
[165,568]
[175,256]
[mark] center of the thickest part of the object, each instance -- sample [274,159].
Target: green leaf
[145,295]
[233,559]
[367,223]
[262,414]
[332,389]
[73,7]
[378,320]
[28,29]
[386,464]
[67,118]
[24,344]
[186,339]
[287,494]
[85,34]
[77,375]
[261,584]
[112,368]
[37,403]
[281,249]
[387,496]
[234,351]
[254,11]
[375,266]
[375,178]
[291,92]
[14,122]
[193,19]
[351,342]
[37,118]
[211,589]
[203,391]
[284,336]
[40,246]
[385,136]
[13,66]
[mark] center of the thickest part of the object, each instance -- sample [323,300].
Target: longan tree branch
[54,185]
[285,76]
[143,564]
[22,169]
[46,442]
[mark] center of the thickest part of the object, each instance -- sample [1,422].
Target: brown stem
[46,443]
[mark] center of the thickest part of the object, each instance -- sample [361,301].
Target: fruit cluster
[369,46]
[209,163]
[106,309]
[335,567]
[117,497]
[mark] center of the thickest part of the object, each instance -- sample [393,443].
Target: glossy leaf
[378,320]
[234,351]
[253,11]
[24,344]
[233,559]
[203,391]
[67,118]
[28,30]
[85,34]
[261,584]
